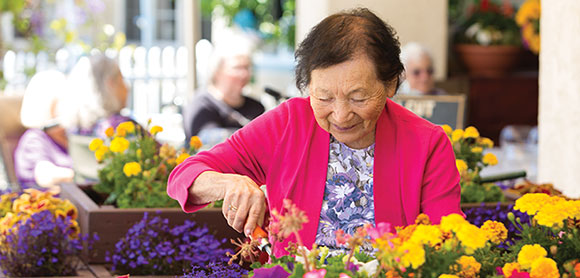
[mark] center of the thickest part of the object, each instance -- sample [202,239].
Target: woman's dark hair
[339,37]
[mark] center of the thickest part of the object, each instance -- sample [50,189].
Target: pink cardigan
[414,168]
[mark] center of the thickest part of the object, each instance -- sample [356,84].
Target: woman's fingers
[255,217]
[244,204]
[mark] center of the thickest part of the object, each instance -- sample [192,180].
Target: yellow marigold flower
[406,233]
[427,234]
[490,159]
[128,126]
[544,268]
[132,169]
[181,158]
[119,145]
[448,130]
[120,131]
[496,231]
[509,268]
[471,237]
[529,253]
[110,132]
[95,144]
[100,153]
[452,222]
[448,276]
[553,214]
[413,254]
[461,165]
[486,142]
[195,143]
[423,219]
[155,129]
[531,203]
[457,135]
[471,132]
[469,266]
[476,149]
[166,151]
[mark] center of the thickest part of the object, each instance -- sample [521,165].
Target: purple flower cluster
[44,245]
[478,215]
[152,247]
[217,270]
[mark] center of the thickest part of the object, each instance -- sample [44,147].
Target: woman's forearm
[208,187]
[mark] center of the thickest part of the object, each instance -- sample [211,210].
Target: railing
[156,76]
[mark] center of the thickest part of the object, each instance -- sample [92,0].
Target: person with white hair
[95,94]
[418,63]
[41,158]
[220,108]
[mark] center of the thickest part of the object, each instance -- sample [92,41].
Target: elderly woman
[41,159]
[346,155]
[95,95]
[419,71]
[220,109]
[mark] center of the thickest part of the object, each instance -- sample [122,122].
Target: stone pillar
[559,106]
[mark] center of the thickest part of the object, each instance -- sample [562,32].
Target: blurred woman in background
[419,71]
[95,95]
[41,158]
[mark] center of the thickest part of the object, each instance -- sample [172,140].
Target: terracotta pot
[494,60]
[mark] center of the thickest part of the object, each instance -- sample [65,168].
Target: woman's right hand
[244,203]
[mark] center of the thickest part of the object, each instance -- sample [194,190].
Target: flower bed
[111,223]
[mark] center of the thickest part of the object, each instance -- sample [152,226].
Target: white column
[559,111]
[192,33]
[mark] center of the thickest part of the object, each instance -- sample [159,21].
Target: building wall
[559,111]
[423,21]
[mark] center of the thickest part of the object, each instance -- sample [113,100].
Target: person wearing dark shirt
[220,109]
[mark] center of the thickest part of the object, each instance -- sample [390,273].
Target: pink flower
[517,274]
[342,275]
[380,230]
[317,273]
[341,238]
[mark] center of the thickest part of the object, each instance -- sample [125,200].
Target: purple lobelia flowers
[43,245]
[152,247]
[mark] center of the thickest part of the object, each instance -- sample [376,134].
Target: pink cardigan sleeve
[247,152]
[441,192]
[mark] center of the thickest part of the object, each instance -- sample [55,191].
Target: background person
[95,95]
[346,155]
[419,71]
[220,109]
[41,158]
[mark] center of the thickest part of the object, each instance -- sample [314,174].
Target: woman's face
[419,73]
[234,73]
[347,100]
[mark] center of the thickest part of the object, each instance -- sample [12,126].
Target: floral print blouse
[348,195]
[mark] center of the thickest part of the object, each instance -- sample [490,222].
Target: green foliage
[489,24]
[473,192]
[146,186]
[274,29]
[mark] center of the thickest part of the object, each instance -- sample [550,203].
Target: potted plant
[132,182]
[488,40]
[39,236]
[528,18]
[469,148]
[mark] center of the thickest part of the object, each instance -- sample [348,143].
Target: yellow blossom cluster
[468,146]
[407,248]
[496,231]
[532,259]
[548,211]
[528,17]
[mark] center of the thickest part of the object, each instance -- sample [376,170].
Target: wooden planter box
[102,272]
[82,272]
[111,224]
